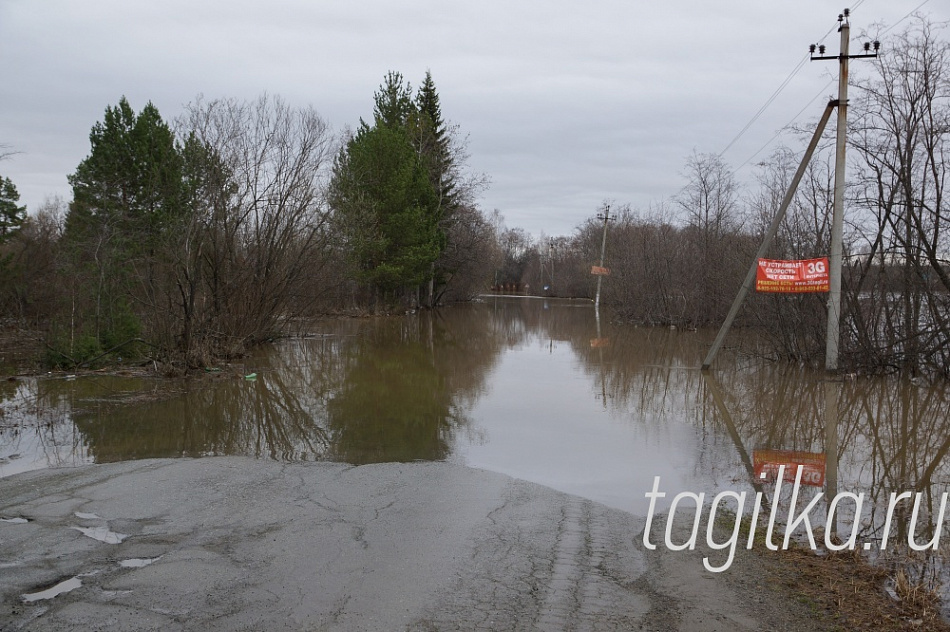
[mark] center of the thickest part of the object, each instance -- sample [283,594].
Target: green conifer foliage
[386,209]
[131,181]
[393,102]
[128,198]
[434,144]
[12,214]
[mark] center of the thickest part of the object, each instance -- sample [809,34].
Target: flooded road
[534,388]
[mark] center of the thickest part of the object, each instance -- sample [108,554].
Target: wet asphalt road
[239,544]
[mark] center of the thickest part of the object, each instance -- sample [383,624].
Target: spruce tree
[435,144]
[12,215]
[394,190]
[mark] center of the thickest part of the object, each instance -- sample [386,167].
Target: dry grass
[846,593]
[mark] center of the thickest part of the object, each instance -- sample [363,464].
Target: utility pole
[837,218]
[603,252]
[835,256]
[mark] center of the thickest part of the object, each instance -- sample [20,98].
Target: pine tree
[128,198]
[132,179]
[393,102]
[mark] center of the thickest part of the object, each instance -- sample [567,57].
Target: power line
[830,83]
[781,87]
[815,98]
[905,17]
[768,102]
[787,80]
[784,127]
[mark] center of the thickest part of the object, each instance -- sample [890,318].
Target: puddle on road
[14,520]
[62,587]
[138,562]
[102,534]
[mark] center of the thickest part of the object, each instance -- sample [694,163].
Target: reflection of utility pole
[603,252]
[603,369]
[832,395]
[837,218]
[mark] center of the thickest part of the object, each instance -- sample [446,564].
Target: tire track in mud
[595,584]
[546,566]
[582,596]
[562,601]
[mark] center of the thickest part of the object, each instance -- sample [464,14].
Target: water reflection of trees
[33,433]
[889,436]
[645,373]
[409,383]
[892,434]
[400,388]
[392,389]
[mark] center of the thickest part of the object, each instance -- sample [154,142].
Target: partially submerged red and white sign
[768,461]
[792,277]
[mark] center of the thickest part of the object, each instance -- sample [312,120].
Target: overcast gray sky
[565,104]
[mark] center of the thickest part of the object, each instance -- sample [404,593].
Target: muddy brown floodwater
[540,390]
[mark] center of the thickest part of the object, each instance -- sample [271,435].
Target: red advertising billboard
[793,277]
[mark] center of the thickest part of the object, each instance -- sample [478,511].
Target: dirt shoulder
[799,589]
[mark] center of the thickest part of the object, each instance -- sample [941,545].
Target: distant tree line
[192,240]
